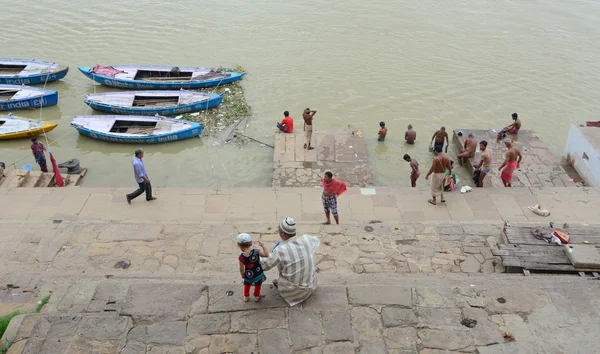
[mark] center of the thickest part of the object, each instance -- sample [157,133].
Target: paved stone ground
[391,315]
[268,205]
[341,152]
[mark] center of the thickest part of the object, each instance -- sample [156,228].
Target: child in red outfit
[250,267]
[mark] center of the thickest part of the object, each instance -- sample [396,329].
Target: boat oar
[258,141]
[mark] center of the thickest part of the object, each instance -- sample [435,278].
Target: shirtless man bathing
[510,164]
[410,135]
[439,137]
[468,150]
[308,117]
[438,169]
[414,166]
[382,132]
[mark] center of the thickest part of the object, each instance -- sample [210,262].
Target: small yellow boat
[13,127]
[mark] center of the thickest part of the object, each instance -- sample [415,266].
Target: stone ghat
[339,151]
[540,168]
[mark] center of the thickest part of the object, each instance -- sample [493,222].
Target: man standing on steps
[332,188]
[38,149]
[438,168]
[510,164]
[141,177]
[308,117]
[294,257]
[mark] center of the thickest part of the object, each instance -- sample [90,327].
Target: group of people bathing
[441,170]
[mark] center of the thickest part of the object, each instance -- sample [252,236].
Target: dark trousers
[144,187]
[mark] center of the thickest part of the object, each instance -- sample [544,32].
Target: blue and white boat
[159,77]
[150,103]
[17,71]
[135,129]
[13,97]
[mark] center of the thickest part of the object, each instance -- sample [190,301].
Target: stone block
[401,338]
[337,326]
[470,265]
[274,341]
[373,347]
[225,298]
[134,348]
[434,317]
[380,295]
[161,301]
[583,256]
[339,348]
[234,343]
[395,316]
[104,327]
[366,323]
[327,298]
[258,320]
[216,323]
[306,326]
[431,298]
[87,345]
[446,339]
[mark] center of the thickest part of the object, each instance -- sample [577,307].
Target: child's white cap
[243,238]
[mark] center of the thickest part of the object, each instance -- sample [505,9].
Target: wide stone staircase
[29,179]
[424,314]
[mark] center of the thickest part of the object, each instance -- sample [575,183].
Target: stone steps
[398,315]
[32,179]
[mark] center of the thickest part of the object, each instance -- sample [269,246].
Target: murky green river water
[425,63]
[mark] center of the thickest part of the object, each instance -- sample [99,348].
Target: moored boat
[158,77]
[150,103]
[18,71]
[13,127]
[135,129]
[13,97]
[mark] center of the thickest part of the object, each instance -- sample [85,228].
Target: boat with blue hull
[14,97]
[159,77]
[150,103]
[135,129]
[18,71]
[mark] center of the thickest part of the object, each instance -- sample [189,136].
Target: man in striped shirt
[294,257]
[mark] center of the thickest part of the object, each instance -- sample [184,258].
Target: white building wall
[578,145]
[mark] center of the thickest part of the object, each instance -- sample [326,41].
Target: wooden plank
[522,235]
[531,265]
[530,250]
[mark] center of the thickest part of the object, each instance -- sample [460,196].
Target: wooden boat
[158,77]
[17,71]
[13,127]
[135,129]
[150,103]
[14,97]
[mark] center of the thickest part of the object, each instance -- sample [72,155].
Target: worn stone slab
[234,343]
[337,326]
[327,298]
[446,339]
[104,327]
[246,321]
[274,341]
[404,338]
[306,328]
[583,256]
[433,316]
[339,348]
[380,295]
[162,333]
[394,316]
[366,323]
[147,302]
[216,323]
[220,300]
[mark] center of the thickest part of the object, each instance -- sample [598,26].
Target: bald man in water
[439,137]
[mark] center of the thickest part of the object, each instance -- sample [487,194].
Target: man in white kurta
[294,257]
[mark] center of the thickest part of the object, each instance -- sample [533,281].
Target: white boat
[13,127]
[19,71]
[13,97]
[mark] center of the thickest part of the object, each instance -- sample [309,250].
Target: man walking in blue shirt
[141,177]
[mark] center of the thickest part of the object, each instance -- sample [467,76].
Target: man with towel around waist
[510,164]
[295,260]
[438,169]
[332,188]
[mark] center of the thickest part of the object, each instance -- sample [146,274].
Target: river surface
[462,64]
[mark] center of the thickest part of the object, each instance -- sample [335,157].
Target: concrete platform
[540,168]
[340,152]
